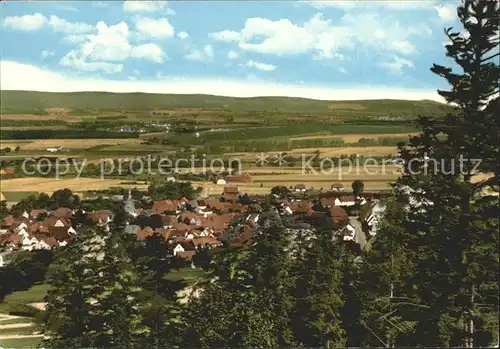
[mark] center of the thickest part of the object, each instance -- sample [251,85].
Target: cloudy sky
[326,49]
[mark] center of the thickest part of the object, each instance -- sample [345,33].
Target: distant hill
[23,101]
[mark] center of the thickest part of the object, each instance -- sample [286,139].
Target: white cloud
[26,22]
[232,54]
[150,28]
[150,51]
[201,55]
[74,39]
[226,35]
[260,66]
[397,65]
[447,13]
[16,76]
[62,25]
[182,35]
[109,44]
[46,53]
[324,38]
[38,21]
[77,60]
[143,6]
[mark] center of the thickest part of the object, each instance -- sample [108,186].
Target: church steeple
[129,204]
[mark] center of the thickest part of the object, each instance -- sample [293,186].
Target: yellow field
[352,138]
[375,178]
[42,144]
[49,185]
[324,152]
[12,143]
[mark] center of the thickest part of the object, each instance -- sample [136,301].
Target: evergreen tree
[357,187]
[93,301]
[449,231]
[319,297]
[247,300]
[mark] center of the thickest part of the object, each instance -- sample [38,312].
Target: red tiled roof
[7,222]
[186,255]
[145,233]
[62,212]
[202,241]
[50,221]
[169,220]
[10,238]
[231,190]
[327,202]
[338,213]
[164,206]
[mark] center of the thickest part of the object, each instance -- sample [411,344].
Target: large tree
[450,229]
[93,301]
[319,295]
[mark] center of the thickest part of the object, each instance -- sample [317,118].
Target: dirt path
[40,305]
[5,317]
[20,336]
[20,325]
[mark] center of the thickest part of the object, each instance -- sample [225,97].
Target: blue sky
[324,49]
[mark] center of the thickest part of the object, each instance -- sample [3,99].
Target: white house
[288,210]
[194,221]
[56,149]
[59,224]
[253,218]
[337,187]
[300,188]
[178,249]
[28,244]
[345,201]
[22,232]
[42,245]
[349,233]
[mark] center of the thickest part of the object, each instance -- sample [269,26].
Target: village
[191,224]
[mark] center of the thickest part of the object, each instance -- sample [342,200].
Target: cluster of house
[186,224]
[28,233]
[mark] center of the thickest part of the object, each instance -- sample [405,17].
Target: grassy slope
[13,101]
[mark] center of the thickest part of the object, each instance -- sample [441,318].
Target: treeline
[65,134]
[288,145]
[261,133]
[33,123]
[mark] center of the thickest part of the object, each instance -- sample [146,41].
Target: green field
[188,275]
[35,294]
[15,196]
[21,343]
[29,101]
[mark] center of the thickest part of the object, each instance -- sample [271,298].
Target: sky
[323,49]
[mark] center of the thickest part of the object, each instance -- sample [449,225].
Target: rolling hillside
[25,101]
